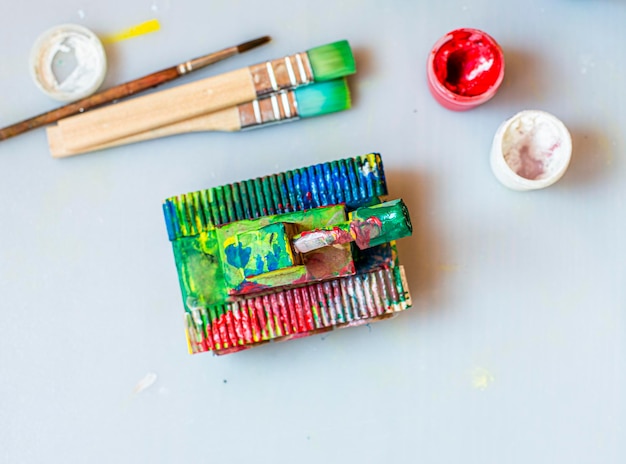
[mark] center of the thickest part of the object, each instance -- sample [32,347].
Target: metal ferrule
[273,109]
[206,60]
[281,74]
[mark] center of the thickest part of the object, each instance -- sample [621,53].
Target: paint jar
[68,62]
[465,69]
[532,150]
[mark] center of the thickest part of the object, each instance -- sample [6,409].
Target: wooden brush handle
[99,99]
[223,120]
[158,109]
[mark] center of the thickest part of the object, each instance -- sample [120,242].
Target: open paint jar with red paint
[465,69]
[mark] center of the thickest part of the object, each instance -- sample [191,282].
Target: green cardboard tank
[288,255]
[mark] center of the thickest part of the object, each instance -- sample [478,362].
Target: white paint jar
[80,51]
[531,150]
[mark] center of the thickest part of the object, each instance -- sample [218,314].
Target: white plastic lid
[68,62]
[532,150]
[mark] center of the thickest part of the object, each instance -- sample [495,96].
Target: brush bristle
[244,47]
[332,61]
[323,98]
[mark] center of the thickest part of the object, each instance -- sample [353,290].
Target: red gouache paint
[465,69]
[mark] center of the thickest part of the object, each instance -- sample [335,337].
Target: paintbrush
[291,105]
[205,96]
[128,88]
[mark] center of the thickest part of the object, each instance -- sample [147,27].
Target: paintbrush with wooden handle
[129,88]
[205,96]
[292,105]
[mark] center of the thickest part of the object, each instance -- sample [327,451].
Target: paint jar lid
[465,69]
[68,62]
[531,150]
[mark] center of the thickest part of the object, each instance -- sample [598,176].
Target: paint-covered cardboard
[244,283]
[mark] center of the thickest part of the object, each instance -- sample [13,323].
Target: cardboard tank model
[288,255]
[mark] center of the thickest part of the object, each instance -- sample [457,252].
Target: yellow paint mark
[607,147]
[147,27]
[188,337]
[481,378]
[448,267]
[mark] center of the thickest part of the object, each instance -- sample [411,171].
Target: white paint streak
[160,5]
[145,383]
[586,62]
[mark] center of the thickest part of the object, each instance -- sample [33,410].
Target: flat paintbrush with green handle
[205,96]
[292,105]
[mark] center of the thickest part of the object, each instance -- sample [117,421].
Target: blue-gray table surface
[514,349]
